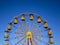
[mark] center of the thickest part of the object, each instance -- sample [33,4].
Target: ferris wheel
[28,29]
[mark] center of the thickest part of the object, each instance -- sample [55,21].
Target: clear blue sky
[48,9]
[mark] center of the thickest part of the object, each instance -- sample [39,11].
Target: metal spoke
[35,35]
[19,41]
[33,42]
[16,27]
[18,32]
[41,41]
[26,29]
[16,37]
[24,43]
[37,27]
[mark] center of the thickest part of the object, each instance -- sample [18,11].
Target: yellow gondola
[45,25]
[31,17]
[6,35]
[6,44]
[9,27]
[15,20]
[39,19]
[51,41]
[23,17]
[49,33]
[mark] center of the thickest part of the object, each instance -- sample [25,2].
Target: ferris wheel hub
[28,35]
